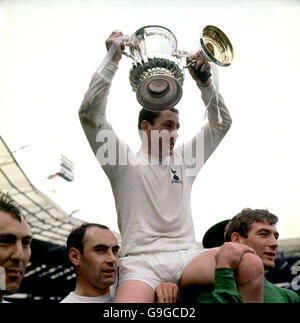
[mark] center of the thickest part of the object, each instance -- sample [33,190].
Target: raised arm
[200,147]
[92,112]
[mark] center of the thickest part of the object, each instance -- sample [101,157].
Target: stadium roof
[48,222]
[49,275]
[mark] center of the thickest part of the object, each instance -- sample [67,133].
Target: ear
[145,125]
[235,237]
[74,256]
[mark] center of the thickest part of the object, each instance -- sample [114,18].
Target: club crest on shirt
[176,179]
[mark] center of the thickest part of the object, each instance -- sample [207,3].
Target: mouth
[172,143]
[270,254]
[14,272]
[109,272]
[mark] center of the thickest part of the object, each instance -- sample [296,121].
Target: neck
[84,288]
[90,292]
[146,150]
[146,147]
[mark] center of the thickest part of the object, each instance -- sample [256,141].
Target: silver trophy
[157,72]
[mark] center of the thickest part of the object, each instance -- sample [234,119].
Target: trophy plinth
[157,83]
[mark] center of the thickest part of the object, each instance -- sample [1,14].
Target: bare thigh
[134,291]
[201,270]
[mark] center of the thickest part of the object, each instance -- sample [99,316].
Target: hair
[242,222]
[76,236]
[150,116]
[8,205]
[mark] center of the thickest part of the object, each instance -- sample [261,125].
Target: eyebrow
[171,121]
[7,235]
[103,246]
[29,237]
[276,234]
[13,236]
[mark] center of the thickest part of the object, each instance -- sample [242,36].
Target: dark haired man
[152,188]
[93,250]
[252,228]
[15,239]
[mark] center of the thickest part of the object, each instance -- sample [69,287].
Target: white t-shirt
[4,301]
[106,298]
[153,205]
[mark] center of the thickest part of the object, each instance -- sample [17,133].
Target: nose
[111,256]
[18,253]
[174,133]
[274,243]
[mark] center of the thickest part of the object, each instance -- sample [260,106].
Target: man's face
[15,239]
[98,264]
[262,237]
[163,133]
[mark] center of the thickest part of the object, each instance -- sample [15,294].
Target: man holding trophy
[152,189]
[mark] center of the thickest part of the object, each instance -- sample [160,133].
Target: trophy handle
[203,76]
[128,55]
[132,44]
[181,54]
[128,43]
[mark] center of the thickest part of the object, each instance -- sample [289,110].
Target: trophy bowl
[215,46]
[157,74]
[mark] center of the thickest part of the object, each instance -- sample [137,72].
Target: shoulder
[292,295]
[288,295]
[68,298]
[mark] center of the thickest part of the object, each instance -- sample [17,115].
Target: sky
[50,49]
